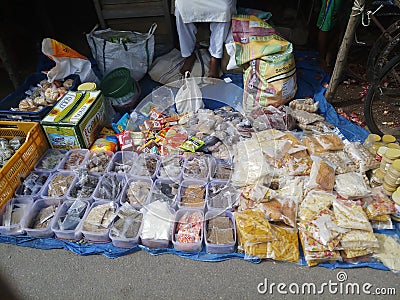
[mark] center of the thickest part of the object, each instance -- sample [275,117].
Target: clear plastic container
[123,242]
[146,165]
[74,159]
[137,197]
[220,169]
[110,187]
[62,189]
[33,212]
[98,161]
[122,162]
[74,234]
[14,226]
[189,246]
[33,184]
[165,190]
[157,243]
[198,192]
[229,198]
[103,235]
[50,160]
[171,167]
[77,185]
[197,167]
[219,248]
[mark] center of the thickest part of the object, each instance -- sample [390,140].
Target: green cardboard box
[76,120]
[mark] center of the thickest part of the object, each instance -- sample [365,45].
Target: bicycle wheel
[382,102]
[386,47]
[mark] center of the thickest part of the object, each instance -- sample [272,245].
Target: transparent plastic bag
[351,185]
[350,215]
[322,175]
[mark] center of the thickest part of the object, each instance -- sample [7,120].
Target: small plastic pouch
[69,218]
[58,185]
[157,225]
[74,159]
[145,165]
[197,167]
[97,222]
[221,195]
[219,232]
[83,186]
[122,162]
[188,230]
[192,193]
[171,167]
[165,190]
[110,187]
[12,214]
[220,169]
[125,230]
[40,217]
[136,192]
[98,161]
[33,184]
[50,160]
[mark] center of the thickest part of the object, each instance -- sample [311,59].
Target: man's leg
[187,41]
[219,33]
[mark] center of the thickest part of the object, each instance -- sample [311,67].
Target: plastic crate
[24,159]
[13,99]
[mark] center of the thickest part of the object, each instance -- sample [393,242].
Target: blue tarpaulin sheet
[310,80]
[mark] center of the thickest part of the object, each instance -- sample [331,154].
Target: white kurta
[206,10]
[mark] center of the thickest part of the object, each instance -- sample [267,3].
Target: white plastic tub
[122,158]
[50,160]
[45,190]
[188,247]
[20,190]
[98,195]
[182,189]
[140,202]
[74,159]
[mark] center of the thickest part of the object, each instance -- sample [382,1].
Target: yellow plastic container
[87,86]
[24,159]
[388,138]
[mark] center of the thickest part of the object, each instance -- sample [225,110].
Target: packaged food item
[189,228]
[388,251]
[351,185]
[279,210]
[314,202]
[107,143]
[100,217]
[127,223]
[358,239]
[350,215]
[253,227]
[323,229]
[323,142]
[322,175]
[380,204]
[363,159]
[340,160]
[286,246]
[59,184]
[306,104]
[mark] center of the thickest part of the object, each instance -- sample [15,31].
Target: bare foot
[188,64]
[215,64]
[324,66]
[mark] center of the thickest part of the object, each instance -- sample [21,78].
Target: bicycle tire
[383,97]
[381,46]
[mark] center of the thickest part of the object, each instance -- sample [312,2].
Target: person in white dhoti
[216,12]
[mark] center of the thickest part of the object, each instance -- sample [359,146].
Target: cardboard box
[76,120]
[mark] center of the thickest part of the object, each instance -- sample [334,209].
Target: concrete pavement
[60,274]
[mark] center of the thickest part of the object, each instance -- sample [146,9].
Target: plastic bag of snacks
[351,185]
[350,215]
[322,175]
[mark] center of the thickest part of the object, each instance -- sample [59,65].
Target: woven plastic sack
[113,49]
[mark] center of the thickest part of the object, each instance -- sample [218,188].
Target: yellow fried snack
[286,246]
[253,227]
